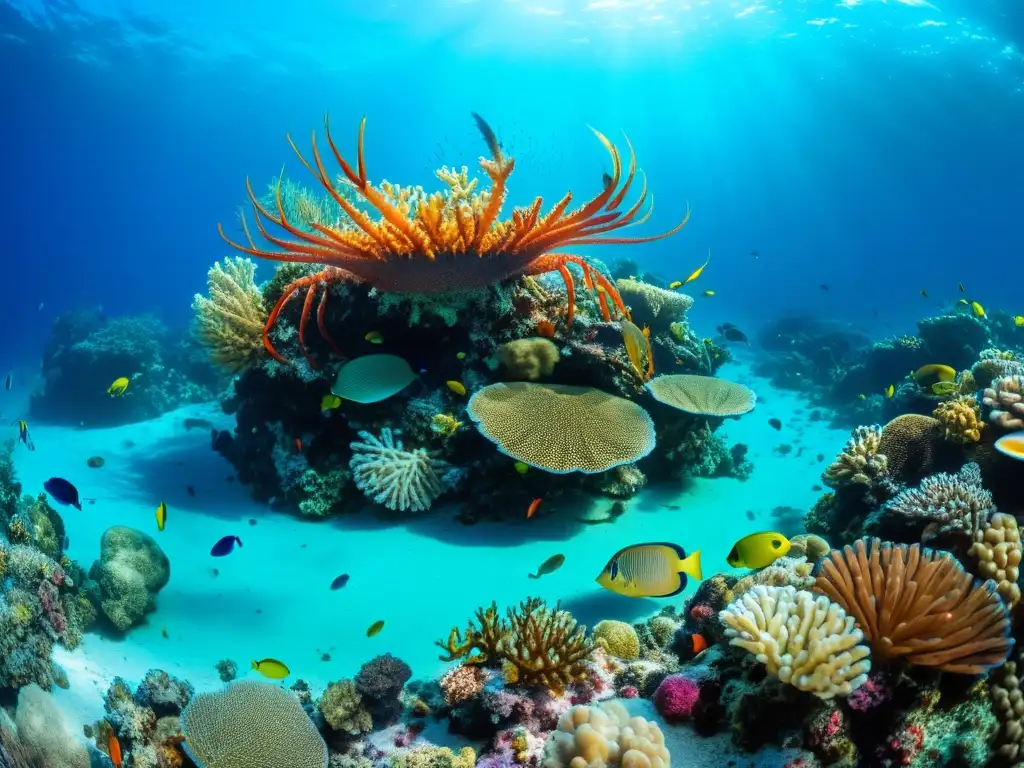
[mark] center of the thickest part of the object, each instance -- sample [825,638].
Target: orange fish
[114,748]
[699,643]
[546,329]
[298,444]
[533,508]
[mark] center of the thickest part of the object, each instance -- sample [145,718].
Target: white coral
[806,640]
[860,463]
[400,479]
[605,736]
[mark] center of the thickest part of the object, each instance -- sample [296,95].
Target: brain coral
[702,395]
[605,735]
[560,428]
[960,419]
[618,638]
[131,570]
[908,442]
[251,725]
[528,359]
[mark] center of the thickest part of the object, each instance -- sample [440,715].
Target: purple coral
[676,697]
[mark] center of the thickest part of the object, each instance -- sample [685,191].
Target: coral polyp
[440,242]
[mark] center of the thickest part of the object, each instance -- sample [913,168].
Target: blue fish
[339,582]
[225,546]
[63,492]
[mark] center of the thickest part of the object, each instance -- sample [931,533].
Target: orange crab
[439,242]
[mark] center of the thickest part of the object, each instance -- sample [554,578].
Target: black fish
[488,133]
[732,333]
[198,424]
[775,424]
[9,382]
[339,582]
[820,457]
[816,488]
[190,490]
[225,546]
[63,492]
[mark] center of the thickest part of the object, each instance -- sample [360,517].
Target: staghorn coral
[230,321]
[651,305]
[997,553]
[528,359]
[251,725]
[402,480]
[1004,401]
[560,428]
[702,395]
[544,647]
[341,707]
[482,641]
[860,462]
[908,443]
[960,420]
[605,736]
[918,605]
[955,505]
[618,638]
[808,642]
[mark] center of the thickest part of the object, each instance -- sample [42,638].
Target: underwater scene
[511,383]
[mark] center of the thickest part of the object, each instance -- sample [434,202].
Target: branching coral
[807,641]
[230,321]
[481,642]
[952,504]
[544,647]
[1005,403]
[997,552]
[918,605]
[400,479]
[960,419]
[605,736]
[860,462]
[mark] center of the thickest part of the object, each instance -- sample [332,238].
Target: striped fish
[657,569]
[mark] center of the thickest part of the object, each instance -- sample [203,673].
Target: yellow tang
[119,387]
[457,387]
[272,668]
[675,284]
[329,402]
[709,293]
[890,391]
[943,388]
[697,272]
[1018,320]
[1011,445]
[161,516]
[521,467]
[758,550]
[927,375]
[650,570]
[977,309]
[375,628]
[374,337]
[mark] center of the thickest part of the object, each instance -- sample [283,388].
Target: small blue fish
[339,582]
[63,492]
[225,546]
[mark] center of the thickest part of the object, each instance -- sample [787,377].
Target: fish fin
[691,566]
[255,665]
[533,575]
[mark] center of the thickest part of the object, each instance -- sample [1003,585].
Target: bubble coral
[908,443]
[1005,402]
[1008,706]
[605,736]
[562,429]
[230,322]
[960,420]
[528,359]
[676,697]
[618,638]
[251,725]
[702,395]
[997,551]
[918,605]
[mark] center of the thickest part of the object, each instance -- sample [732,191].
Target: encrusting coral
[1005,403]
[400,479]
[860,462]
[997,553]
[528,359]
[960,419]
[918,605]
[806,640]
[605,736]
[230,321]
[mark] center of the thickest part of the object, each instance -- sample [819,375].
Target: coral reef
[960,420]
[230,321]
[528,359]
[618,638]
[379,682]
[131,571]
[341,707]
[1004,401]
[653,306]
[997,554]
[860,461]
[703,395]
[401,480]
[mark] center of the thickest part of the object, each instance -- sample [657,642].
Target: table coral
[860,462]
[997,553]
[605,736]
[618,638]
[702,395]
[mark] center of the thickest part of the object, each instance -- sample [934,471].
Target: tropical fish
[1018,320]
[190,490]
[114,750]
[944,388]
[225,546]
[1011,445]
[9,382]
[192,423]
[550,565]
[927,375]
[161,516]
[63,492]
[532,509]
[372,378]
[862,396]
[375,628]
[697,272]
[962,290]
[977,309]
[95,462]
[460,355]
[119,387]
[490,138]
[339,582]
[23,435]
[638,348]
[775,424]
[675,284]
[444,424]
[164,633]
[758,550]
[329,402]
[272,668]
[924,293]
[890,390]
[650,570]
[709,294]
[456,386]
[374,337]
[521,467]
[965,302]
[732,333]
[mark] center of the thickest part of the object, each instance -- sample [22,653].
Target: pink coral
[629,692]
[676,697]
[870,695]
[701,612]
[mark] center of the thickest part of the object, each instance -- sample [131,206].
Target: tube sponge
[605,735]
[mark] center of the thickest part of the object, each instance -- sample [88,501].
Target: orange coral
[440,242]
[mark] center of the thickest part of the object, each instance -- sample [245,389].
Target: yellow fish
[460,355]
[329,402]
[375,628]
[650,570]
[890,391]
[862,397]
[119,387]
[965,302]
[521,467]
[374,337]
[697,272]
[161,516]
[272,668]
[675,284]
[927,375]
[1018,320]
[457,387]
[445,424]
[758,550]
[977,309]
[709,293]
[943,388]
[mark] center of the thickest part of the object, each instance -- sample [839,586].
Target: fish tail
[691,566]
[533,575]
[255,665]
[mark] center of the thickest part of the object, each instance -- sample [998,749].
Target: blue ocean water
[838,157]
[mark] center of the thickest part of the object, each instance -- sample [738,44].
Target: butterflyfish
[119,387]
[758,550]
[457,387]
[977,309]
[375,628]
[272,668]
[161,516]
[549,566]
[650,570]
[1011,445]
[696,273]
[890,390]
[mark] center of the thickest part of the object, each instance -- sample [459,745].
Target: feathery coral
[997,550]
[1005,402]
[230,321]
[560,428]
[960,419]
[703,395]
[605,736]
[402,480]
[953,504]
[807,641]
[860,462]
[918,604]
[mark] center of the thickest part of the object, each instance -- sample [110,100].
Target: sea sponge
[528,359]
[951,504]
[676,697]
[43,728]
[807,641]
[908,443]
[1005,403]
[860,462]
[618,638]
[380,681]
[562,429]
[462,683]
[230,322]
[605,736]
[997,550]
[400,479]
[702,395]
[960,420]
[131,570]
[251,725]
[342,709]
